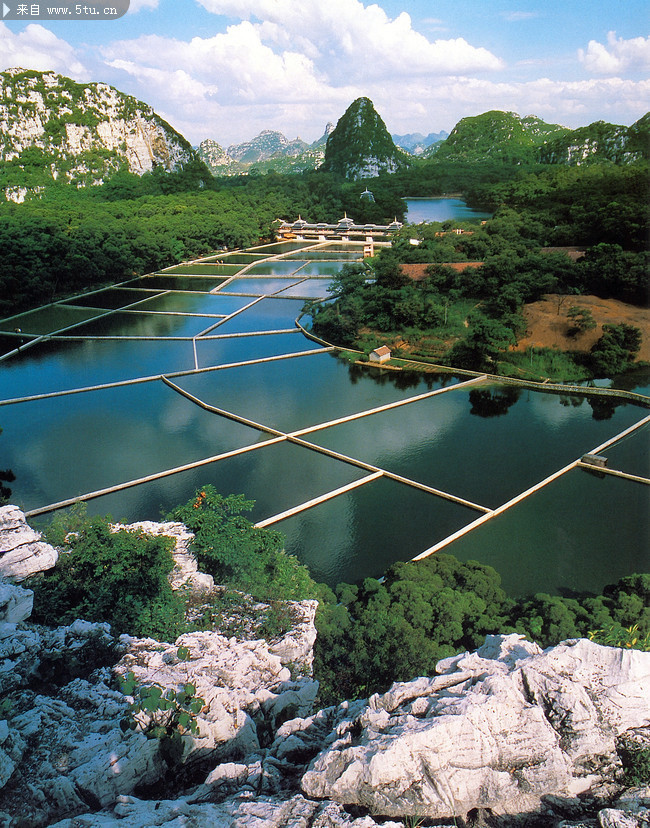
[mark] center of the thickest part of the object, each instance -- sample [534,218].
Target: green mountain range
[53,129]
[496,135]
[599,142]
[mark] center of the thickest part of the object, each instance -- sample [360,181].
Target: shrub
[163,713]
[629,638]
[101,575]
[235,552]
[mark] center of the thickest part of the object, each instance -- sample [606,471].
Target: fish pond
[133,397]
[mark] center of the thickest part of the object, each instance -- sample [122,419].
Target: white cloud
[182,88]
[38,48]
[138,5]
[356,38]
[289,59]
[573,104]
[294,65]
[618,56]
[515,17]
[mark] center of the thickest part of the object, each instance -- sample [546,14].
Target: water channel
[205,331]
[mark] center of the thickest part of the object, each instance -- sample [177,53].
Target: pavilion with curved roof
[345,229]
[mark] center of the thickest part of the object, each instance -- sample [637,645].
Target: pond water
[302,424]
[440,209]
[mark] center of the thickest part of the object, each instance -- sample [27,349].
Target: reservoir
[183,380]
[441,209]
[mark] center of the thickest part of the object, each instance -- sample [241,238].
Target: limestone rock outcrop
[16,605]
[238,812]
[67,707]
[186,572]
[504,734]
[501,728]
[509,736]
[84,132]
[22,552]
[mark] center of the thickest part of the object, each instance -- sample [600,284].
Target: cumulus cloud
[356,36]
[294,65]
[617,56]
[38,48]
[138,5]
[235,66]
[571,103]
[182,87]
[288,58]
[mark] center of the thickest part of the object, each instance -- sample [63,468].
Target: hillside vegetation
[369,634]
[497,135]
[360,146]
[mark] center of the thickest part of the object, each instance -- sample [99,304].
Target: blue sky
[226,69]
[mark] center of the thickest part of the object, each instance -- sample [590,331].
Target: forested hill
[361,146]
[496,135]
[54,129]
[507,137]
[599,142]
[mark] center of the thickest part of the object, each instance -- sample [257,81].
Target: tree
[101,575]
[235,552]
[485,342]
[615,350]
[581,320]
[381,632]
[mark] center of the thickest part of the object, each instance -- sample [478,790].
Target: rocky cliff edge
[506,736]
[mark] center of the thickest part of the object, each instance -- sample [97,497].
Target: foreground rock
[62,746]
[506,737]
[509,735]
[237,812]
[22,552]
[16,605]
[505,728]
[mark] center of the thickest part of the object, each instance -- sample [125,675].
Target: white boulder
[16,605]
[22,553]
[499,729]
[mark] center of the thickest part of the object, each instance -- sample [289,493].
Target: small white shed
[380,355]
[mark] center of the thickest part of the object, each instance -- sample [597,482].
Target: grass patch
[544,363]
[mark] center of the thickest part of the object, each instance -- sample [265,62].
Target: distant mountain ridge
[52,128]
[599,141]
[268,150]
[267,144]
[496,134]
[55,130]
[416,144]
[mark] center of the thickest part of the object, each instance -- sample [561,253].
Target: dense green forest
[72,239]
[369,634]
